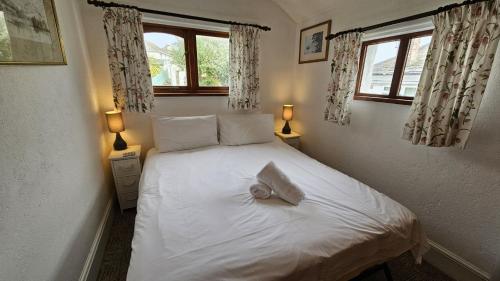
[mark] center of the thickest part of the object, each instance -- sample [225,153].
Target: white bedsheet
[196,220]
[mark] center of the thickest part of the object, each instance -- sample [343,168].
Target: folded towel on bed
[260,190]
[280,184]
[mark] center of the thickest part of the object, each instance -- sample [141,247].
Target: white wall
[455,193]
[276,66]
[53,190]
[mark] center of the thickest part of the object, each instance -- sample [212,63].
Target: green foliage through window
[213,61]
[178,55]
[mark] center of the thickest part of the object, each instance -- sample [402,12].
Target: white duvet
[196,220]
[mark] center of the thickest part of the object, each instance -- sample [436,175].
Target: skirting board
[91,266]
[454,265]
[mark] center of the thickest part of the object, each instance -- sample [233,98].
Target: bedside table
[292,139]
[126,166]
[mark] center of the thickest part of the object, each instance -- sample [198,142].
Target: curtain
[243,70]
[344,70]
[128,62]
[455,75]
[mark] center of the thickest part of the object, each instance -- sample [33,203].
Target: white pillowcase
[180,133]
[239,129]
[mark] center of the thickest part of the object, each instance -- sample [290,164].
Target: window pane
[414,65]
[167,59]
[380,61]
[213,61]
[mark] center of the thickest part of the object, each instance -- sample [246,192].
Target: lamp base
[286,129]
[120,143]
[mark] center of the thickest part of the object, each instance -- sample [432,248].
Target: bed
[196,220]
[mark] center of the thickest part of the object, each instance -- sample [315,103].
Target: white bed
[197,221]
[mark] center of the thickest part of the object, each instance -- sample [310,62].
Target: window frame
[189,35]
[397,77]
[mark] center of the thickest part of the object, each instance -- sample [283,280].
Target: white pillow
[179,133]
[238,129]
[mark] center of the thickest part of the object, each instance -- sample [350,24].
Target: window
[186,61]
[390,68]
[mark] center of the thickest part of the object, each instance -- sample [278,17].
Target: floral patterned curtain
[128,62]
[455,75]
[346,50]
[243,70]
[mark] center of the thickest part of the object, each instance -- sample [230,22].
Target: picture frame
[30,34]
[313,45]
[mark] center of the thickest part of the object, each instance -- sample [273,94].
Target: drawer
[127,167]
[127,200]
[127,184]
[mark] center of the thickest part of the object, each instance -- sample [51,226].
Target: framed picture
[313,45]
[29,33]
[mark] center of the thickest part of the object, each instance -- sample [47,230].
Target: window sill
[186,92]
[398,100]
[191,94]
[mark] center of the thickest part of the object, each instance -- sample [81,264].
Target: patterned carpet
[117,256]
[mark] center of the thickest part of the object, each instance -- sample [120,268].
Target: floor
[117,256]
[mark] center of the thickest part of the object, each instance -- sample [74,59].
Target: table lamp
[287,116]
[115,125]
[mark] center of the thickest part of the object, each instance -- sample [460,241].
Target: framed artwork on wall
[29,33]
[313,45]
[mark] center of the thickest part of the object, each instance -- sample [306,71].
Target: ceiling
[302,10]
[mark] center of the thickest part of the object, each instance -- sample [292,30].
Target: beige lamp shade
[115,121]
[287,112]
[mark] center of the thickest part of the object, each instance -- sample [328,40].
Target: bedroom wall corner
[53,187]
[276,75]
[455,193]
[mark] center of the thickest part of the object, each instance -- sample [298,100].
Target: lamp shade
[287,112]
[115,121]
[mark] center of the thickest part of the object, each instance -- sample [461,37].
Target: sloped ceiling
[302,10]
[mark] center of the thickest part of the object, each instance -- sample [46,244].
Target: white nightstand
[126,166]
[292,139]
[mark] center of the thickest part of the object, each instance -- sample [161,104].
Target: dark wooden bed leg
[387,272]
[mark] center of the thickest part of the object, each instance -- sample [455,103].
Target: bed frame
[381,267]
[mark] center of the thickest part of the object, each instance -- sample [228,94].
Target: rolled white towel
[260,190]
[280,184]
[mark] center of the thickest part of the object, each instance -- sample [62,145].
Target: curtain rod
[405,19]
[149,11]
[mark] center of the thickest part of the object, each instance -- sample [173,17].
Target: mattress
[196,220]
